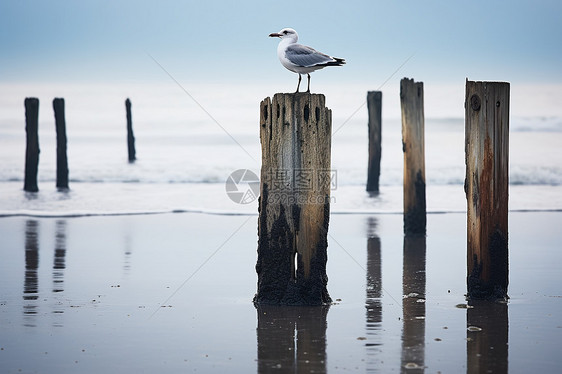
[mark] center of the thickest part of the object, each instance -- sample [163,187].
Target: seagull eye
[285,32]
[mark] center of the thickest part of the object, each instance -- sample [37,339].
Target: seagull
[299,58]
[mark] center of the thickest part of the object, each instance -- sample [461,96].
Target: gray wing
[301,55]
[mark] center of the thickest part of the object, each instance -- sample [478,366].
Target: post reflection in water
[59,265]
[291,339]
[413,304]
[31,280]
[487,337]
[60,256]
[373,302]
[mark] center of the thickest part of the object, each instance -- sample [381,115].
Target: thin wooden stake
[130,136]
[62,160]
[374,105]
[32,141]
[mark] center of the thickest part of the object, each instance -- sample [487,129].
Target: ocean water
[189,139]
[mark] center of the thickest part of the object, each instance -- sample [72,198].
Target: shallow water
[173,292]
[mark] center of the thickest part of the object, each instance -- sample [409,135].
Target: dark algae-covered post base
[294,204]
[413,146]
[487,188]
[32,144]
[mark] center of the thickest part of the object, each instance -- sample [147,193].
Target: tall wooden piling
[413,146]
[32,144]
[294,204]
[130,135]
[62,160]
[374,107]
[487,188]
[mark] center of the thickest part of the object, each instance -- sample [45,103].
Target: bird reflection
[374,293]
[487,337]
[291,339]
[413,305]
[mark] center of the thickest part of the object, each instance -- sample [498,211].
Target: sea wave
[519,175]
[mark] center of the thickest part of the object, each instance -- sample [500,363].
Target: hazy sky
[58,40]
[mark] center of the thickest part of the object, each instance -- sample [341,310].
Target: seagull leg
[308,89]
[298,85]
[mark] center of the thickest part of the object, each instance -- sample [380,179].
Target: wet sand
[173,292]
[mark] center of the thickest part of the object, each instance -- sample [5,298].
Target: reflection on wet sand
[291,339]
[31,280]
[128,252]
[59,265]
[413,305]
[487,337]
[60,257]
[374,294]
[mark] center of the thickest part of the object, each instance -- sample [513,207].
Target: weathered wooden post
[32,144]
[413,146]
[130,135]
[487,187]
[62,160]
[294,209]
[374,106]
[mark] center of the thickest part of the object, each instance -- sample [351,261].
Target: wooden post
[413,144]
[374,105]
[62,161]
[32,144]
[487,188]
[294,210]
[130,136]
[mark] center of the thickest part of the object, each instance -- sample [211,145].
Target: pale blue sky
[59,40]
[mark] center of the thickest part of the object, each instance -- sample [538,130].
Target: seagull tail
[337,62]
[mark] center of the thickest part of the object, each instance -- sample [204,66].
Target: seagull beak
[275,34]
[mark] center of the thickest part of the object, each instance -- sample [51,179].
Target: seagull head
[286,34]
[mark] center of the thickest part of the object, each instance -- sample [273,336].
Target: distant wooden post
[374,105]
[130,136]
[413,146]
[62,160]
[32,144]
[487,187]
[294,210]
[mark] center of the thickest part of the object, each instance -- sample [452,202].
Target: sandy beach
[173,292]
